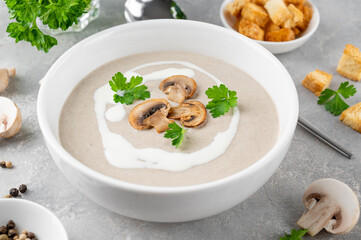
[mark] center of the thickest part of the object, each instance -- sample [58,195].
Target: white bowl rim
[316,15]
[58,148]
[32,204]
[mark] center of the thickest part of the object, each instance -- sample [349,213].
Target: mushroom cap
[178,87]
[344,197]
[139,116]
[190,113]
[10,118]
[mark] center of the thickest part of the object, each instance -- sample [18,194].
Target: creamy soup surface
[82,134]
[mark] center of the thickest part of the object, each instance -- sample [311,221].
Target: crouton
[270,27]
[295,1]
[307,16]
[259,2]
[350,63]
[251,30]
[281,35]
[255,14]
[277,11]
[236,7]
[352,117]
[317,81]
[296,31]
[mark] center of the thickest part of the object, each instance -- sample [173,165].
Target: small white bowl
[277,47]
[32,217]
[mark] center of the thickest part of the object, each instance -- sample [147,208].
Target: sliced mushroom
[10,118]
[5,75]
[151,113]
[331,205]
[178,87]
[190,113]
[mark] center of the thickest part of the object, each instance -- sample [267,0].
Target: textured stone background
[273,209]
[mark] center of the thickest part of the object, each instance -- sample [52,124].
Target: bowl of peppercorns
[26,220]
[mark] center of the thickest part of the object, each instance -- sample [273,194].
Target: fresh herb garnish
[295,234]
[176,11]
[222,100]
[337,105]
[55,14]
[176,133]
[127,92]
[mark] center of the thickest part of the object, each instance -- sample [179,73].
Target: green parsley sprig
[295,234]
[53,13]
[176,11]
[333,101]
[222,99]
[176,133]
[127,92]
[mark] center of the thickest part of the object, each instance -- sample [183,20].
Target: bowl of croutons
[278,25]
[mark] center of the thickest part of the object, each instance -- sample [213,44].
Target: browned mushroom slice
[151,113]
[178,87]
[5,75]
[190,113]
[10,118]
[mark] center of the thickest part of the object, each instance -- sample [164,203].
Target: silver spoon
[137,10]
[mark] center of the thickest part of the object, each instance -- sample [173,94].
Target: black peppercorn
[14,192]
[31,235]
[23,188]
[2,164]
[10,224]
[3,230]
[12,233]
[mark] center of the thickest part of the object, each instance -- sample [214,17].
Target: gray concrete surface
[273,209]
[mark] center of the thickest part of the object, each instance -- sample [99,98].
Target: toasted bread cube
[271,27]
[317,81]
[236,7]
[350,63]
[281,35]
[277,11]
[307,16]
[295,19]
[255,13]
[251,30]
[352,117]
[259,2]
[296,31]
[295,1]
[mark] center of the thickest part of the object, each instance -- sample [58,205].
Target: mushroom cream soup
[102,135]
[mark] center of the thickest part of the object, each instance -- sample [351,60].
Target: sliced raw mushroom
[178,87]
[190,113]
[151,113]
[10,118]
[5,75]
[331,205]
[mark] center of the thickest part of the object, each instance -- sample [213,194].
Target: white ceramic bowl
[276,47]
[32,217]
[166,204]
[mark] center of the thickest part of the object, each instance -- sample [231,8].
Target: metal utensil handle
[323,137]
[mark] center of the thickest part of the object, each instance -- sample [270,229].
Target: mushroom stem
[176,94]
[5,75]
[158,121]
[11,72]
[319,216]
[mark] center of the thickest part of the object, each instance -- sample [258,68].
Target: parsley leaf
[127,92]
[337,105]
[176,11]
[176,133]
[295,234]
[55,13]
[63,13]
[222,100]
